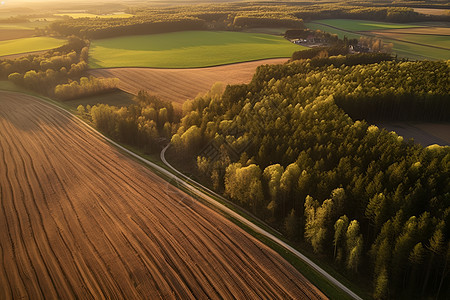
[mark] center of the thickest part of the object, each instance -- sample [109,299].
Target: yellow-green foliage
[86,86]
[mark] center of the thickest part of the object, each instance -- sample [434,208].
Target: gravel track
[79,219]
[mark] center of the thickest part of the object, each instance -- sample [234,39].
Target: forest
[342,185]
[285,148]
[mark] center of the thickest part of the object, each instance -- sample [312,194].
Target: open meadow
[80,219]
[32,44]
[187,49]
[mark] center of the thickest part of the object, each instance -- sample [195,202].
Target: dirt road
[79,219]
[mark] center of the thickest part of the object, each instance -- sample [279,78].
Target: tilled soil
[178,85]
[79,219]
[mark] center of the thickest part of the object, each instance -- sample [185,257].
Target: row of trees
[141,124]
[85,87]
[57,73]
[284,148]
[64,57]
[323,36]
[267,21]
[320,52]
[104,28]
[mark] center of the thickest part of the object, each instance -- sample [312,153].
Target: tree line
[105,28]
[141,124]
[57,73]
[86,86]
[228,16]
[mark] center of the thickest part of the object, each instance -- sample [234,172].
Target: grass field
[189,49]
[418,51]
[443,31]
[28,45]
[87,15]
[427,39]
[363,25]
[402,49]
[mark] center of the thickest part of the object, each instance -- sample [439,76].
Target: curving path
[79,219]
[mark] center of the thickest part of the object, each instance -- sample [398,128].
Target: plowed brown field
[178,85]
[79,219]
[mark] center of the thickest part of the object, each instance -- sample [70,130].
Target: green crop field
[88,15]
[28,45]
[418,51]
[362,25]
[188,49]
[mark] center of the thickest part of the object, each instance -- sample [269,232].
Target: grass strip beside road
[273,240]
